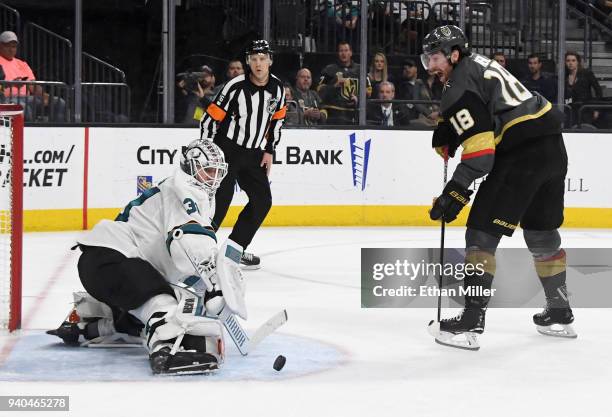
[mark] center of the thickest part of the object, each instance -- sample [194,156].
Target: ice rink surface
[342,360]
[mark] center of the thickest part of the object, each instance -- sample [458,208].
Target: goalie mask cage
[11,214]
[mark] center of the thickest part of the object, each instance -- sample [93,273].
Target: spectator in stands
[2,78]
[339,87]
[542,83]
[384,20]
[580,84]
[605,7]
[294,115]
[387,114]
[343,20]
[308,100]
[500,58]
[234,69]
[379,71]
[414,25]
[408,80]
[412,88]
[32,97]
[195,91]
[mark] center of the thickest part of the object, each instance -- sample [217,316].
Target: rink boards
[75,176]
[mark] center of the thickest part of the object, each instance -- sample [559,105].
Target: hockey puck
[279,362]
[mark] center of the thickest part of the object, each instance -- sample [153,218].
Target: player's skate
[460,331]
[181,342]
[250,261]
[555,322]
[90,323]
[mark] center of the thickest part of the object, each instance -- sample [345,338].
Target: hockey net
[11,214]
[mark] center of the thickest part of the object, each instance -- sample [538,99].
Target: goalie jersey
[487,111]
[144,228]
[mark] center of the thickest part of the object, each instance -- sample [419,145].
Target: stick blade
[268,328]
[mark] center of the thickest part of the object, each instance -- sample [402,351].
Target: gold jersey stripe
[521,119]
[479,142]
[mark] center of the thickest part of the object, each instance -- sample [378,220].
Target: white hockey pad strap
[230,278]
[194,255]
[190,229]
[87,306]
[187,316]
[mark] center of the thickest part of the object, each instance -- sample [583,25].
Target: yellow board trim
[522,119]
[71,219]
[52,220]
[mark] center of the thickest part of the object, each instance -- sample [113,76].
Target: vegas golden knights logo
[350,88]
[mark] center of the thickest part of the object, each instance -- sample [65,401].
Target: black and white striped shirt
[247,114]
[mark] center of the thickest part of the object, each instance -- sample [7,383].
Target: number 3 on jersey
[462,121]
[190,206]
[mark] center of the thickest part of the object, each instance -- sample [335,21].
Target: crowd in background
[403,95]
[409,97]
[399,92]
[18,85]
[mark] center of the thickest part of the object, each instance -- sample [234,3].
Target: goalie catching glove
[451,201]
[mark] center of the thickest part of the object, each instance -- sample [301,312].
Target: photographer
[194,89]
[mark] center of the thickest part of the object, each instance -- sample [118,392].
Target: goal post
[11,214]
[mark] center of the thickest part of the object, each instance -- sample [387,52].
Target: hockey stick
[238,335]
[442,232]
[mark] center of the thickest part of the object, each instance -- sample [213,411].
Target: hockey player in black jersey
[513,137]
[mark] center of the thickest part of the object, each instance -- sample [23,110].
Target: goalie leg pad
[181,342]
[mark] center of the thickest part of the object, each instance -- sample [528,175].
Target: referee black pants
[244,168]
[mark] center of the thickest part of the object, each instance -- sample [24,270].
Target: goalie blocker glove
[450,202]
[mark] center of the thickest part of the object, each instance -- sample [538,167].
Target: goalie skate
[556,322]
[90,324]
[184,361]
[181,342]
[464,340]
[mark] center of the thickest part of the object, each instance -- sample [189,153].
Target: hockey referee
[245,121]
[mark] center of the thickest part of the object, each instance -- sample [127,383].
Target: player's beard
[443,76]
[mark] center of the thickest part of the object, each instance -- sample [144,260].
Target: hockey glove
[451,201]
[444,137]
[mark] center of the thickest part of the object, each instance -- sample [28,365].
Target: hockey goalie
[154,275]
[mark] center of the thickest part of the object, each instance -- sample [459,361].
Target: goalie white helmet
[205,163]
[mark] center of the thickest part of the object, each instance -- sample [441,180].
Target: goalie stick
[238,335]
